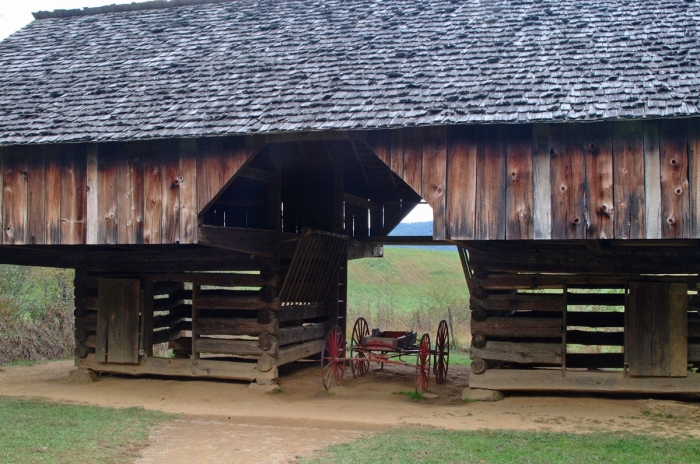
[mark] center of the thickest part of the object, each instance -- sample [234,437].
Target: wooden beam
[296,352]
[361,202]
[236,326]
[253,241]
[302,333]
[526,353]
[519,302]
[180,368]
[518,327]
[576,381]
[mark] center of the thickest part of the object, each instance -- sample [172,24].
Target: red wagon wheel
[332,358]
[359,330]
[423,364]
[442,352]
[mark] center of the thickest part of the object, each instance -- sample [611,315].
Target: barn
[209,167]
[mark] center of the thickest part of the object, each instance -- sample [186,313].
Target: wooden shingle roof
[239,67]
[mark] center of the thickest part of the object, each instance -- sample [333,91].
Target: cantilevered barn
[209,166]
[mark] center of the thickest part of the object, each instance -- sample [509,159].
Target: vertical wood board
[73,199]
[652,179]
[92,216]
[413,159]
[675,198]
[36,176]
[397,151]
[600,207]
[629,180]
[461,182]
[170,225]
[188,191]
[519,195]
[694,175]
[541,183]
[153,194]
[108,227]
[15,198]
[491,187]
[52,188]
[568,170]
[435,176]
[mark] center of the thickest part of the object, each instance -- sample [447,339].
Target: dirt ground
[225,422]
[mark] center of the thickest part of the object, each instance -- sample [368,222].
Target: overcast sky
[14,16]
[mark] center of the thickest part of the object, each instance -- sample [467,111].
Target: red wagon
[384,347]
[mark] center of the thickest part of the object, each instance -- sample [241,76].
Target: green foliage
[36,314]
[36,431]
[492,447]
[414,395]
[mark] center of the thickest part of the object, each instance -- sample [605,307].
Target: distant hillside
[414,229]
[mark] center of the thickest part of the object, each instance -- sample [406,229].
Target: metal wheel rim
[359,330]
[442,352]
[423,364]
[332,368]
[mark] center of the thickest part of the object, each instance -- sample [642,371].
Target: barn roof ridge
[114,8]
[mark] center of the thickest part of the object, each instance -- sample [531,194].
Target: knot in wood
[576,221]
[679,191]
[674,162]
[671,221]
[438,191]
[563,188]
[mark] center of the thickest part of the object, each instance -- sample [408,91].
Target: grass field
[410,288]
[505,447]
[35,431]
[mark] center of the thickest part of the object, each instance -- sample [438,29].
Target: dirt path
[224,420]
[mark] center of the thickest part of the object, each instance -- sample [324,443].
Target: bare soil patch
[228,422]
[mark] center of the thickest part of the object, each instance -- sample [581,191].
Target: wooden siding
[609,180]
[115,193]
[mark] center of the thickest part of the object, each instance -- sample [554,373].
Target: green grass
[33,431]
[459,358]
[493,447]
[407,278]
[414,395]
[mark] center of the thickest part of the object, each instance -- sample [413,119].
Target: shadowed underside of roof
[243,67]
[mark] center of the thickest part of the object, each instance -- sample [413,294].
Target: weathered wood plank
[219,279]
[643,300]
[181,368]
[247,348]
[210,169]
[188,191]
[568,181]
[413,158]
[236,326]
[92,215]
[435,176]
[519,187]
[36,176]
[580,381]
[542,183]
[461,179]
[121,299]
[629,179]
[153,194]
[73,195]
[600,205]
[491,191]
[252,303]
[170,195]
[526,353]
[675,199]
[302,333]
[678,330]
[253,241]
[130,195]
[108,227]
[52,188]
[397,151]
[652,180]
[694,175]
[518,327]
[301,312]
[694,352]
[295,352]
[15,205]
[521,302]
